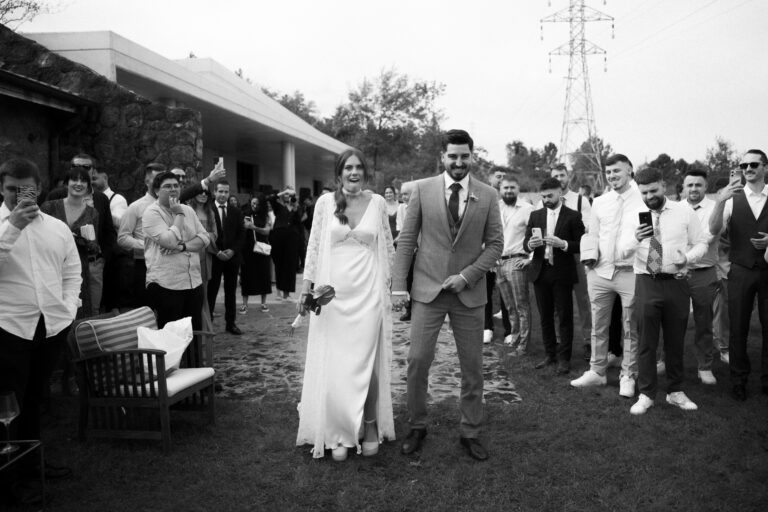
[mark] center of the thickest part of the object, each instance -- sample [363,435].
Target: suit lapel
[438,194]
[560,220]
[469,210]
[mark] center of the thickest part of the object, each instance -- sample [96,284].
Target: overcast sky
[679,72]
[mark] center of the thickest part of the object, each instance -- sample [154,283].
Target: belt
[516,255]
[623,268]
[660,277]
[701,269]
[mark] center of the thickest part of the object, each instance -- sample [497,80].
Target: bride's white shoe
[370,448]
[339,454]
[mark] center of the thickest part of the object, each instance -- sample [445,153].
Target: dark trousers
[25,368]
[555,295]
[139,287]
[229,270]
[173,305]
[490,283]
[660,304]
[616,329]
[118,281]
[743,284]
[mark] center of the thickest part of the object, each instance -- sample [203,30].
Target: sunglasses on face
[87,167]
[751,165]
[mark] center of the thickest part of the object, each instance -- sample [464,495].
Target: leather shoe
[563,368]
[413,441]
[546,362]
[739,392]
[232,328]
[475,449]
[406,317]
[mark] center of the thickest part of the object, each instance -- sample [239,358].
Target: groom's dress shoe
[413,441]
[474,448]
[546,362]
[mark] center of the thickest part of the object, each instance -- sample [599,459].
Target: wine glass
[9,409]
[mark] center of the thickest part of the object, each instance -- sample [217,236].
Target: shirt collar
[748,191]
[703,204]
[556,210]
[449,181]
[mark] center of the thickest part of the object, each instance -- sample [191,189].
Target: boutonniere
[472,197]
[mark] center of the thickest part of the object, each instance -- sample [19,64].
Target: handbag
[261,247]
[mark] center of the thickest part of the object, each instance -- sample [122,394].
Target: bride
[346,388]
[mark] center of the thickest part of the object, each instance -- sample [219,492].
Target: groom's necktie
[453,202]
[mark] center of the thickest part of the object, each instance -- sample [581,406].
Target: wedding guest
[390,197]
[284,239]
[346,386]
[233,202]
[402,209]
[256,266]
[202,204]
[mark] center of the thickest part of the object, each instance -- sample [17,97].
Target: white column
[289,164]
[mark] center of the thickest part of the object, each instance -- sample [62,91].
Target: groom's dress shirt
[462,191]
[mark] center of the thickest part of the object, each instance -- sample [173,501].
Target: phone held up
[646,218]
[26,193]
[738,175]
[536,232]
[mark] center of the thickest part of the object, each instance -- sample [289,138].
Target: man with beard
[703,281]
[611,274]
[511,274]
[662,252]
[743,210]
[553,235]
[457,218]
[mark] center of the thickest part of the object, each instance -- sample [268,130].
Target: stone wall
[122,130]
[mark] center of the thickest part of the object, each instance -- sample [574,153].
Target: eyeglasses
[170,186]
[751,165]
[87,167]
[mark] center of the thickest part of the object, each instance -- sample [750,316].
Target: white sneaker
[678,399]
[589,378]
[627,386]
[643,404]
[508,340]
[614,361]
[661,368]
[498,316]
[487,336]
[724,357]
[707,377]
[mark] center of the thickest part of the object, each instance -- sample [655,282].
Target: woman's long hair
[261,212]
[341,201]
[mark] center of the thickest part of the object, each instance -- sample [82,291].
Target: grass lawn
[559,449]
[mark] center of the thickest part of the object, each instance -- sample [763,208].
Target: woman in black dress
[255,269]
[285,241]
[390,197]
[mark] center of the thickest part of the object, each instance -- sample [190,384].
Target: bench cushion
[177,381]
[116,333]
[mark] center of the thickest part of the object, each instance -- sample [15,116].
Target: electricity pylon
[578,115]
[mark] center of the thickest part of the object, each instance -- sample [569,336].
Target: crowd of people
[634,261]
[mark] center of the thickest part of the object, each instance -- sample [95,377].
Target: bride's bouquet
[319,297]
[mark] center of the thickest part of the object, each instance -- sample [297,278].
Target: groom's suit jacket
[472,252]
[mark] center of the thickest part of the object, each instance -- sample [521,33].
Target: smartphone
[220,163]
[646,218]
[248,218]
[26,193]
[738,174]
[536,232]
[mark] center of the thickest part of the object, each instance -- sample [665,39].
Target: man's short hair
[158,180]
[86,156]
[648,175]
[510,178]
[155,167]
[220,182]
[699,173]
[549,184]
[587,189]
[760,152]
[616,158]
[457,137]
[559,167]
[19,168]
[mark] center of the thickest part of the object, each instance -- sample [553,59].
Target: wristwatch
[183,246]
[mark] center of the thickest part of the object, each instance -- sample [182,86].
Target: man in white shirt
[611,274]
[511,273]
[130,236]
[703,281]
[663,251]
[40,281]
[742,208]
[100,183]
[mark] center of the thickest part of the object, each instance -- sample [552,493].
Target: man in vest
[742,209]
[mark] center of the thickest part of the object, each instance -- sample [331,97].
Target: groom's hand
[454,284]
[399,301]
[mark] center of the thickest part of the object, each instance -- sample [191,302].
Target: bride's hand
[302,307]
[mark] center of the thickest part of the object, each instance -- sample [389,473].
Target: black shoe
[546,362]
[739,392]
[406,317]
[475,449]
[587,352]
[413,442]
[563,368]
[232,328]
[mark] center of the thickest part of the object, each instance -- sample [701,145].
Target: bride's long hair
[341,201]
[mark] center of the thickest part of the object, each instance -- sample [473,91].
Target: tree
[721,159]
[530,165]
[19,11]
[394,121]
[298,104]
[584,170]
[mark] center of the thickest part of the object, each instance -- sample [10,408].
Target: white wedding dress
[350,340]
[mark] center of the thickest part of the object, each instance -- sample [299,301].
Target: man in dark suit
[229,240]
[457,223]
[553,271]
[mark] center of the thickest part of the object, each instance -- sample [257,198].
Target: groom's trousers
[467,325]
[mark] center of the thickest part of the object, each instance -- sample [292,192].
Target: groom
[457,221]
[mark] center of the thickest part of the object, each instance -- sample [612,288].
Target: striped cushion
[116,333]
